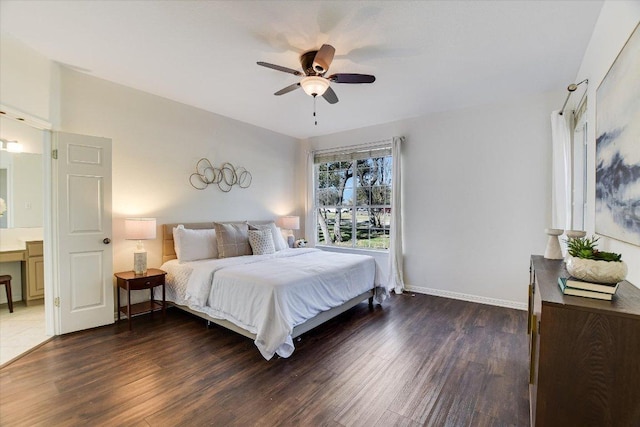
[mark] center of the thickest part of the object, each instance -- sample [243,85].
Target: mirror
[21,178]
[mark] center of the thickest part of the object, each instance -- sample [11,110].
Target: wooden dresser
[585,353]
[31,259]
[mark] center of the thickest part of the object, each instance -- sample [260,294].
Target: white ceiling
[428,56]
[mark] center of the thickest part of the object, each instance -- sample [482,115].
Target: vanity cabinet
[33,272]
[584,353]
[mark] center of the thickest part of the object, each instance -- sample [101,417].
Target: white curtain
[561,171]
[396,281]
[310,222]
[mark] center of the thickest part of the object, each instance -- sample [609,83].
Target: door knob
[106,240]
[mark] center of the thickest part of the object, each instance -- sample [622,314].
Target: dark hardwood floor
[418,360]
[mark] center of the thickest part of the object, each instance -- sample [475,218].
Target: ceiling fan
[315,64]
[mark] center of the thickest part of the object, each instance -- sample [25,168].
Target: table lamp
[140,229]
[289,222]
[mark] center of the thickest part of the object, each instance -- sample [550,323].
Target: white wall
[476,195]
[616,23]
[25,85]
[156,144]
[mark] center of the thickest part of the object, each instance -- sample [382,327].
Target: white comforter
[269,295]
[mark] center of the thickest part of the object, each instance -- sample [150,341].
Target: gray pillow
[232,238]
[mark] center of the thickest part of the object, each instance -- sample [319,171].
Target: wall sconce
[289,222]
[11,146]
[140,229]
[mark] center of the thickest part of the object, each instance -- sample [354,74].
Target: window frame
[354,154]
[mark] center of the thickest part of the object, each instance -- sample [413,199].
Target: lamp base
[140,263]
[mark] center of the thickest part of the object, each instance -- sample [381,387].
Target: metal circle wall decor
[225,177]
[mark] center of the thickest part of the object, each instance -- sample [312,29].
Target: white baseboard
[467,297]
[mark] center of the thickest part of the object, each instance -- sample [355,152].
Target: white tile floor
[21,330]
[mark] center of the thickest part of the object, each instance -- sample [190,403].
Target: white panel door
[83,221]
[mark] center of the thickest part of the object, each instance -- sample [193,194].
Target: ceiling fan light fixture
[314,85]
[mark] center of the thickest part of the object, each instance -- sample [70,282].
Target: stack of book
[580,288]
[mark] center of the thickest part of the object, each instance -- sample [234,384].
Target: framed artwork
[618,146]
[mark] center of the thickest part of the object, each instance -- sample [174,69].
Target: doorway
[22,238]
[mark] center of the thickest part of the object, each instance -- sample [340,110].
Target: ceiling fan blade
[323,58]
[280,68]
[288,89]
[352,78]
[330,96]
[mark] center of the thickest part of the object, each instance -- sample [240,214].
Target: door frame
[51,283]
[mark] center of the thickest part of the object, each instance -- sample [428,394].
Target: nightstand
[130,282]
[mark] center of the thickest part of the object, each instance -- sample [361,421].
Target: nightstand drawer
[145,282]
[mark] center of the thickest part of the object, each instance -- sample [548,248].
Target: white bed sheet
[269,295]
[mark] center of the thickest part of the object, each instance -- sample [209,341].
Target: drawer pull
[148,283]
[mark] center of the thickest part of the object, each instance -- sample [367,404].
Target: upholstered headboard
[168,250]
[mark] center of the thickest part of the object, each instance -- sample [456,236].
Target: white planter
[597,271]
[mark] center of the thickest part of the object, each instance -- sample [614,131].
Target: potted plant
[589,264]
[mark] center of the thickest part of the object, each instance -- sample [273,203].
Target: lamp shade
[289,222]
[314,85]
[140,228]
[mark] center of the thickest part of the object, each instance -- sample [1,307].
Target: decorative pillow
[276,235]
[232,238]
[261,242]
[191,245]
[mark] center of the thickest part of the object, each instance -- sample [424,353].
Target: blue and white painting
[618,147]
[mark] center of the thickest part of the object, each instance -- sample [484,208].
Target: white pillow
[278,242]
[261,242]
[287,238]
[191,245]
[279,239]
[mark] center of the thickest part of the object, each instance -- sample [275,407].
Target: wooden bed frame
[169,253]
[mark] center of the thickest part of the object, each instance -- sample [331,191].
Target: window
[353,198]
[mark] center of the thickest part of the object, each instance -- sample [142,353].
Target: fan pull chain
[314,109]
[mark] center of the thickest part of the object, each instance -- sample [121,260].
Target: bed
[271,298]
